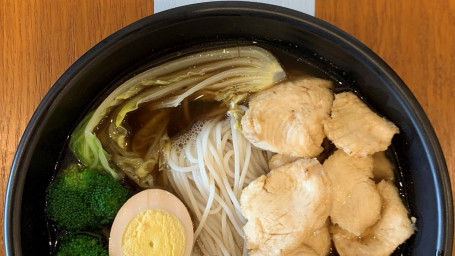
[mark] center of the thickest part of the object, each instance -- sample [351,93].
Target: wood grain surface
[41,39]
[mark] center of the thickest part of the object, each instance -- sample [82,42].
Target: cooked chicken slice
[279,160]
[320,240]
[285,206]
[385,236]
[355,128]
[382,167]
[317,243]
[356,203]
[287,118]
[300,251]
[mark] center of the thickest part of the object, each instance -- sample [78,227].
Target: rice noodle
[208,168]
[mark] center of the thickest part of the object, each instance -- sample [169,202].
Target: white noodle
[208,170]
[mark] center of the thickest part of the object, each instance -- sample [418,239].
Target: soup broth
[144,124]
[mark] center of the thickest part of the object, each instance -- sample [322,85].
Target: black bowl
[422,166]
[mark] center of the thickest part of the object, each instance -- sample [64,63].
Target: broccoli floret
[81,245]
[82,199]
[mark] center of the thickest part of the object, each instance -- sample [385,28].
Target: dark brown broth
[180,117]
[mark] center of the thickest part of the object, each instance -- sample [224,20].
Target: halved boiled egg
[152,222]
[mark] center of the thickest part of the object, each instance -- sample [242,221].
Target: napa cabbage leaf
[227,75]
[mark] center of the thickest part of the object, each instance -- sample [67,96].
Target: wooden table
[40,39]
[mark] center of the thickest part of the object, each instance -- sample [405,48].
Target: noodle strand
[208,172]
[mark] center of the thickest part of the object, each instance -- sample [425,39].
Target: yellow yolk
[154,232]
[152,222]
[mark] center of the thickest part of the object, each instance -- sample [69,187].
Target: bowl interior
[157,37]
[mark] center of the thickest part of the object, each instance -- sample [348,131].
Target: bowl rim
[419,119]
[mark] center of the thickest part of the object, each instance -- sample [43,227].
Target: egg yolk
[154,232]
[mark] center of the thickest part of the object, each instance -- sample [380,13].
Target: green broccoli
[83,199]
[81,245]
